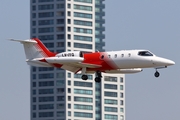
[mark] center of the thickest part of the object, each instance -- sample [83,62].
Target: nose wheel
[156,74]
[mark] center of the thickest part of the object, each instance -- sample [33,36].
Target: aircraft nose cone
[164,62]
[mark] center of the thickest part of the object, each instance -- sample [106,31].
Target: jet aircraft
[114,62]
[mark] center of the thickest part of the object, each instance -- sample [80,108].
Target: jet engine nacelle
[70,54]
[124,71]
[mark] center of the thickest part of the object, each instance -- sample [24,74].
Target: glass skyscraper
[57,94]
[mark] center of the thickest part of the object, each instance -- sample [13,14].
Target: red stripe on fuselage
[99,58]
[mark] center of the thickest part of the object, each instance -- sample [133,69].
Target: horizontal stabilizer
[24,41]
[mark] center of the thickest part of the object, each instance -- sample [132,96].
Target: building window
[121,102]
[34,84]
[110,94]
[46,114]
[60,114]
[60,106]
[60,21]
[33,76]
[60,75]
[69,113]
[83,84]
[111,117]
[60,44]
[69,90]
[46,106]
[83,30]
[34,99]
[111,109]
[84,1]
[46,83]
[69,21]
[60,90]
[82,7]
[110,79]
[69,44]
[69,13]
[110,101]
[46,99]
[69,5]
[60,6]
[121,79]
[121,117]
[69,75]
[49,45]
[45,68]
[83,99]
[69,106]
[83,107]
[46,76]
[121,95]
[60,14]
[60,98]
[122,110]
[69,82]
[83,114]
[81,91]
[34,107]
[82,15]
[83,23]
[34,92]
[81,45]
[69,29]
[69,98]
[82,38]
[110,86]
[60,37]
[34,115]
[45,22]
[46,30]
[46,91]
[69,36]
[46,14]
[60,83]
[46,7]
[46,37]
[121,87]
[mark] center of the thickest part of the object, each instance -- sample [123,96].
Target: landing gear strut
[98,76]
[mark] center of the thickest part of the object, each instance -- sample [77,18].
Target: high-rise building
[56,94]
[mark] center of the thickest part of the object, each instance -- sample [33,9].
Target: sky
[130,24]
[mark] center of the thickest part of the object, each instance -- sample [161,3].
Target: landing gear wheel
[156,74]
[97,79]
[84,77]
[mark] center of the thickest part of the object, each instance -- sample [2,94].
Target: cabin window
[122,55]
[129,54]
[109,56]
[145,53]
[102,57]
[115,55]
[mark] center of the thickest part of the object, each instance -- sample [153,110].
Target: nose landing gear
[156,74]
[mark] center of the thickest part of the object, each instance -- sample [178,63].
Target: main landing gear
[97,78]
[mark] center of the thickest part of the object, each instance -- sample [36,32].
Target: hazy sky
[130,24]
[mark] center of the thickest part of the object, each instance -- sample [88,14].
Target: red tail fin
[42,47]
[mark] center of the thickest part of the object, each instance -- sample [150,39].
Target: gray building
[56,94]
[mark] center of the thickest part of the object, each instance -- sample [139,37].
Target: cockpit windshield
[145,53]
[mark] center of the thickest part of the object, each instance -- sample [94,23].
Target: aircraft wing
[75,67]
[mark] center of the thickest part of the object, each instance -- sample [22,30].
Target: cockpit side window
[145,53]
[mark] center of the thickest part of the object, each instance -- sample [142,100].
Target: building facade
[56,94]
